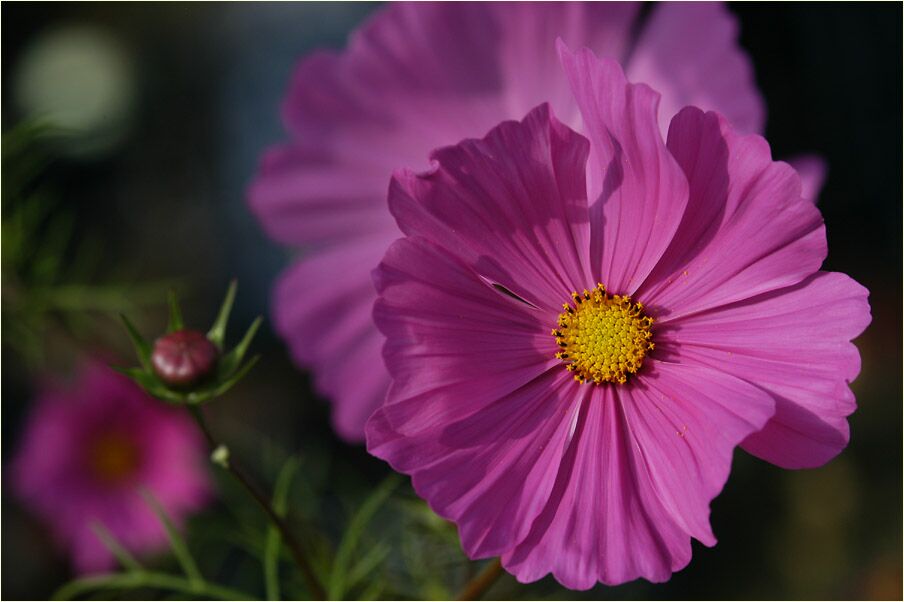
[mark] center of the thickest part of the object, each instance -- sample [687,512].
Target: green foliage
[48,264]
[272,546]
[136,577]
[339,579]
[392,546]
[369,542]
[178,545]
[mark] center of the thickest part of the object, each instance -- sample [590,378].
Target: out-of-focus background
[161,112]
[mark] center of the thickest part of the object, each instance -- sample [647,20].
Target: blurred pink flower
[86,453]
[492,332]
[419,76]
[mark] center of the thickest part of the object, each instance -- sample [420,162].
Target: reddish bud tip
[183,357]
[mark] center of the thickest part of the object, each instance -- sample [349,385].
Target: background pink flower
[86,453]
[419,76]
[606,483]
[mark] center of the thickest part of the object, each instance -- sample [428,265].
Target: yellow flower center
[603,339]
[113,457]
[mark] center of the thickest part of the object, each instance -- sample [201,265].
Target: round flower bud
[183,357]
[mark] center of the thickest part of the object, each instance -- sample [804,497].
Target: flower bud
[183,357]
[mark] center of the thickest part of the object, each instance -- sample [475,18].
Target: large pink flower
[583,430]
[420,76]
[87,452]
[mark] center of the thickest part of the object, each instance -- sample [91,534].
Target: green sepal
[217,332]
[229,362]
[218,387]
[175,313]
[142,347]
[152,384]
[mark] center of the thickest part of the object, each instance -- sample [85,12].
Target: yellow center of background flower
[603,339]
[113,457]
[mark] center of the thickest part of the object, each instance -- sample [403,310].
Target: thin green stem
[149,579]
[271,564]
[478,586]
[110,542]
[177,543]
[314,586]
[273,542]
[338,582]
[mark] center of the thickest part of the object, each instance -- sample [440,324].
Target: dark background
[165,201]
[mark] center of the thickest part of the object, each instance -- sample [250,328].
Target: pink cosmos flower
[582,429]
[420,76]
[86,454]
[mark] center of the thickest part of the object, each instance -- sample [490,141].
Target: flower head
[87,453]
[185,366]
[184,357]
[581,330]
[422,75]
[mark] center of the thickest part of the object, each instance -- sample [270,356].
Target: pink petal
[642,190]
[307,198]
[686,425]
[490,472]
[434,73]
[322,308]
[689,53]
[595,526]
[179,475]
[746,230]
[636,483]
[512,205]
[795,344]
[415,77]
[88,554]
[476,414]
[812,171]
[529,65]
[454,343]
[412,77]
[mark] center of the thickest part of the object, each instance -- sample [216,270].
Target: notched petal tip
[586,59]
[431,170]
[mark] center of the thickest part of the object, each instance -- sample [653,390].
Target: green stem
[141,579]
[271,564]
[478,586]
[314,586]
[273,543]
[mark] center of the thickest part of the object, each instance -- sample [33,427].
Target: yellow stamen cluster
[603,339]
[114,457]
